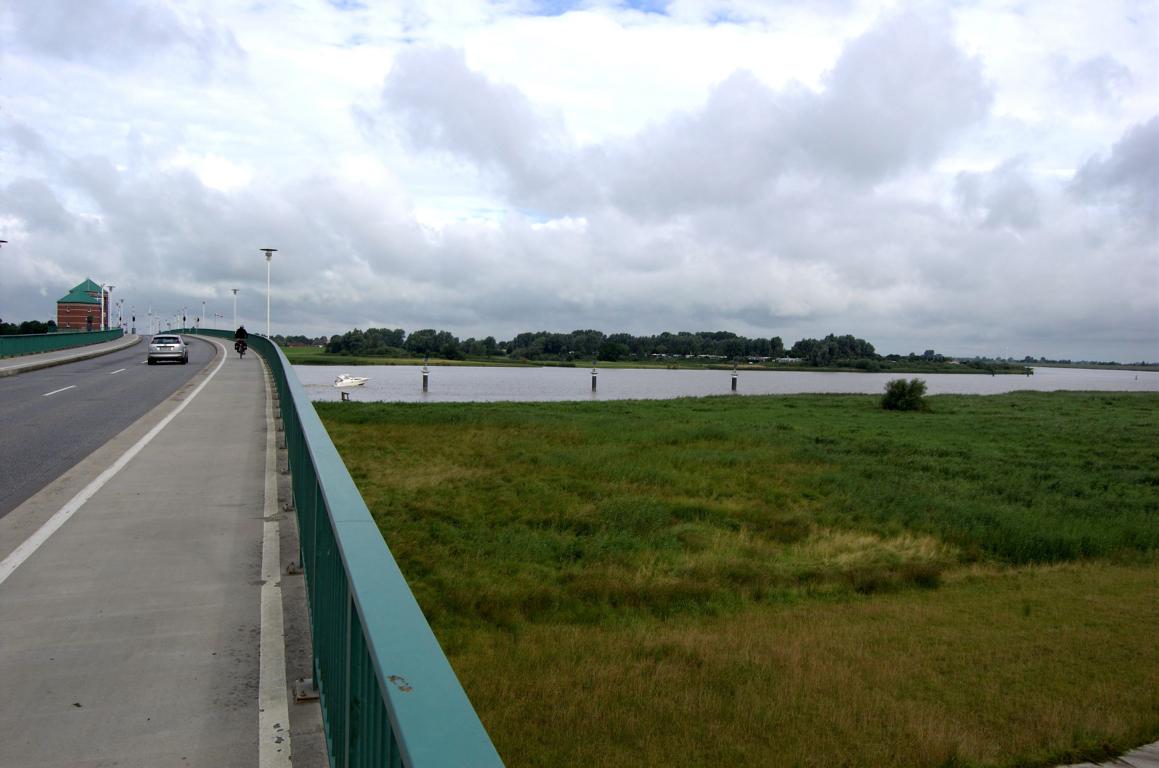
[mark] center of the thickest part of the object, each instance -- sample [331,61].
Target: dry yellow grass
[989,666]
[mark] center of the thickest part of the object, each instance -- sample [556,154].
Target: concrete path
[1143,757]
[10,366]
[130,635]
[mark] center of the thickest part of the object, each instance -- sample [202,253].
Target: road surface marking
[62,389]
[118,371]
[17,557]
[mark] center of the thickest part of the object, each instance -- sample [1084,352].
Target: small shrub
[902,395]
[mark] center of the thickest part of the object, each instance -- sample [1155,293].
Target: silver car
[168,347]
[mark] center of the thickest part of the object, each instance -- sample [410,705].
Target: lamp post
[235,290]
[104,300]
[269,255]
[201,319]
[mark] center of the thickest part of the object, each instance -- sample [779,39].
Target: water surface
[403,383]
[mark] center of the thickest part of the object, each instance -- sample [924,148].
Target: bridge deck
[130,636]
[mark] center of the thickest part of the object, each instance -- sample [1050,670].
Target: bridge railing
[32,343]
[389,696]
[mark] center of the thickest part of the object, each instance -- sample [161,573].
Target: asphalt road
[52,418]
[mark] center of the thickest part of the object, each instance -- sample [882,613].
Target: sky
[978,177]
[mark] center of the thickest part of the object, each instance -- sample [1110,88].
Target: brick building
[80,310]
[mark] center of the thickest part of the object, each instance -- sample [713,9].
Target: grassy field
[783,580]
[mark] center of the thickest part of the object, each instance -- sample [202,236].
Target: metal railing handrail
[388,693]
[12,345]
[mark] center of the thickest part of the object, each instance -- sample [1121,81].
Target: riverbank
[976,585]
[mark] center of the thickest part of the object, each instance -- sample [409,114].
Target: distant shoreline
[311,357]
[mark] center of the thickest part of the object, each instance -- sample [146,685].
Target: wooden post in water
[426,374]
[594,374]
[734,377]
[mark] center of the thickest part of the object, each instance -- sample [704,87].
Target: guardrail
[31,343]
[388,693]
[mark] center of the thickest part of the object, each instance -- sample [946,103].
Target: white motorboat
[346,380]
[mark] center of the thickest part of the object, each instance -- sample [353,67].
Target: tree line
[589,344]
[28,326]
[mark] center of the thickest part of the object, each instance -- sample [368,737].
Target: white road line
[273,709]
[62,389]
[119,370]
[17,557]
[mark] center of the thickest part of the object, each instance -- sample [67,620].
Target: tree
[902,395]
[611,351]
[422,342]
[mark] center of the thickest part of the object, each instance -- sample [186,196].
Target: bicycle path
[131,614]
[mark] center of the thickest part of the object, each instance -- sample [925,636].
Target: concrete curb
[1143,757]
[82,353]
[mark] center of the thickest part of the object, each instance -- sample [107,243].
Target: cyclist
[240,342]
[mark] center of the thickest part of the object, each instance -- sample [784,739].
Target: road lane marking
[17,557]
[62,389]
[118,371]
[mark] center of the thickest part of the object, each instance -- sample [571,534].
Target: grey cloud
[446,106]
[1128,177]
[1099,81]
[720,155]
[28,143]
[35,204]
[896,98]
[114,31]
[1003,197]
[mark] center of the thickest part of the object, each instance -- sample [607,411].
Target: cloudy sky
[977,176]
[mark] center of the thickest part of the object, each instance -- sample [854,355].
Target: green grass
[646,542]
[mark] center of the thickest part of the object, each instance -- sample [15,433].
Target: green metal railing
[389,696]
[31,343]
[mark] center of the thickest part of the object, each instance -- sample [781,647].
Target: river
[403,383]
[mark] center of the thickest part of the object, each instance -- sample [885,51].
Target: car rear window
[165,340]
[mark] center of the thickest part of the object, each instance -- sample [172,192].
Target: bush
[902,395]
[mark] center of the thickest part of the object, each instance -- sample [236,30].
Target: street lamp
[269,255]
[235,290]
[104,299]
